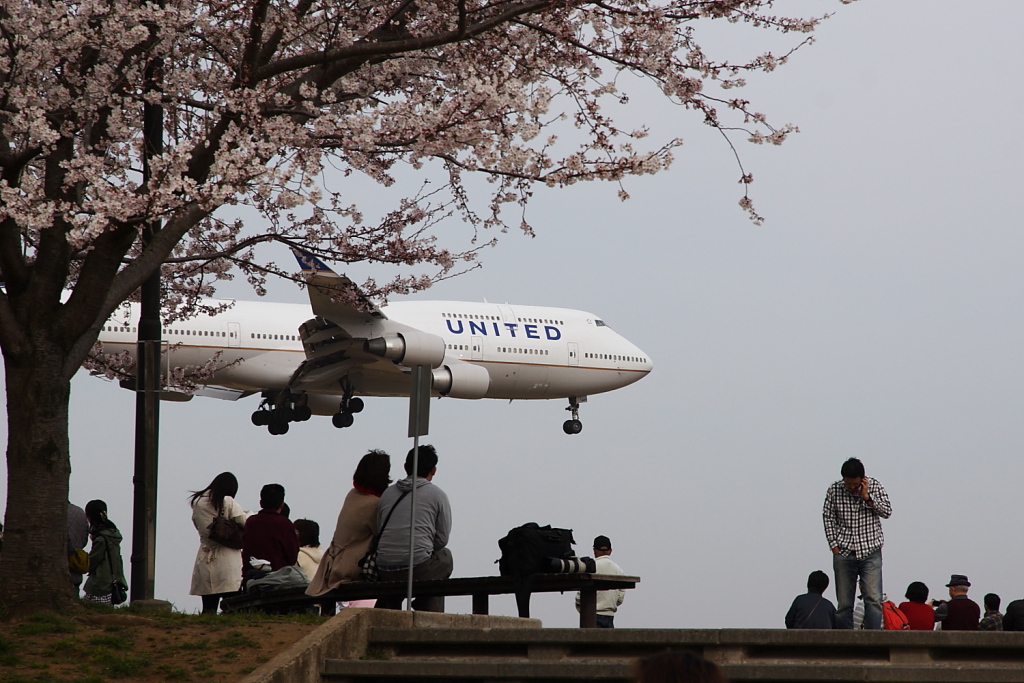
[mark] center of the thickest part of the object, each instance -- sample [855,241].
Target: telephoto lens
[572,565]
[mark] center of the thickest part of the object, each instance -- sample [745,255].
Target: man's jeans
[869,569]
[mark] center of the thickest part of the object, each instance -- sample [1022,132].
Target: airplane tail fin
[332,295]
[310,264]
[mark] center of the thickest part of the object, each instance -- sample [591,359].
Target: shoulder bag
[225,531]
[368,564]
[118,591]
[78,561]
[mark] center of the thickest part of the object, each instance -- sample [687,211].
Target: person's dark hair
[677,667]
[309,532]
[852,469]
[427,461]
[271,496]
[373,472]
[96,513]
[817,582]
[224,484]
[991,602]
[917,592]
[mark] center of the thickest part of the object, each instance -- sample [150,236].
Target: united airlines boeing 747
[346,350]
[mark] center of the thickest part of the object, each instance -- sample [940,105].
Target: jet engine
[461,380]
[409,348]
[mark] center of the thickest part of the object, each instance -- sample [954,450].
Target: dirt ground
[102,644]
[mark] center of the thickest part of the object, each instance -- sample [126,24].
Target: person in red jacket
[960,613]
[920,615]
[269,535]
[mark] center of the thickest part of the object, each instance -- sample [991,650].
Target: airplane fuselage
[528,352]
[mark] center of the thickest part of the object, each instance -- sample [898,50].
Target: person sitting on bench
[431,557]
[269,535]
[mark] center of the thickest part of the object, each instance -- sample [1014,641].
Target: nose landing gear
[574,426]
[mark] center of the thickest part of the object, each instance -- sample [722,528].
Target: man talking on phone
[854,508]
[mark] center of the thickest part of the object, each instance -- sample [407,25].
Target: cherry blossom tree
[263,100]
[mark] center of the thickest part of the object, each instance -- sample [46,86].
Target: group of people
[960,613]
[373,509]
[852,514]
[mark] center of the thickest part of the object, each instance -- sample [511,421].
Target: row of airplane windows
[612,356]
[183,333]
[293,337]
[475,316]
[505,349]
[279,337]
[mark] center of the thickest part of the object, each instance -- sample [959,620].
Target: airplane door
[234,334]
[574,353]
[477,348]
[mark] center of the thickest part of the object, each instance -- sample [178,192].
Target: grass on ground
[103,644]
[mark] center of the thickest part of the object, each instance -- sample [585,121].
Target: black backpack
[527,549]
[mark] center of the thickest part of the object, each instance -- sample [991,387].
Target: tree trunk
[33,564]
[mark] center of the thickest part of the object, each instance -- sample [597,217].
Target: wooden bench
[480,588]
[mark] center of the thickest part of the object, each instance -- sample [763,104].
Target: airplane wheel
[284,414]
[572,427]
[301,413]
[342,420]
[261,418]
[355,405]
[274,428]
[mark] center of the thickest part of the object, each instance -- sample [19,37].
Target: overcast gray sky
[876,314]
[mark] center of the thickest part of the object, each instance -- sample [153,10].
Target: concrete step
[465,670]
[748,646]
[504,655]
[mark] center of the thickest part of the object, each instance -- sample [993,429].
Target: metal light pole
[147,378]
[419,417]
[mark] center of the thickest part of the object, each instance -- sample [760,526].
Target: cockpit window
[600,323]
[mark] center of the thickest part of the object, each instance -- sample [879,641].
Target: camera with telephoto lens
[572,565]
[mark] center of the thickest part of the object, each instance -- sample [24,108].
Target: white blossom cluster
[258,98]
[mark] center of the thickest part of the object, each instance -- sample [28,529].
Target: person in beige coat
[218,569]
[357,525]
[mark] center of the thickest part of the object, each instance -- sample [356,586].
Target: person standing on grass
[217,571]
[105,565]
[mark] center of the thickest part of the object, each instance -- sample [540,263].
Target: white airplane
[346,350]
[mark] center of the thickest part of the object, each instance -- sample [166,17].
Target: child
[105,566]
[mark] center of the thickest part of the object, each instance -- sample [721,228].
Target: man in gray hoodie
[431,559]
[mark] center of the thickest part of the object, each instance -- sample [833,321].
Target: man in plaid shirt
[853,509]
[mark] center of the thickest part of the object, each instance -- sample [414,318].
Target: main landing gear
[573,426]
[349,406]
[278,408]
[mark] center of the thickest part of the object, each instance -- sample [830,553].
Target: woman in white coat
[218,569]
